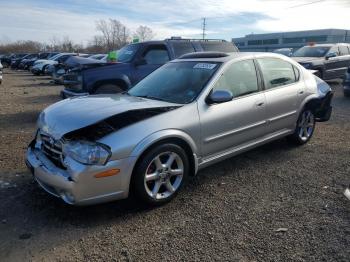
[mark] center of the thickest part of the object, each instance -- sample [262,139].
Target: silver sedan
[190,113]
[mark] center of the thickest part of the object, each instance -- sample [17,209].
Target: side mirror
[331,54]
[219,96]
[140,61]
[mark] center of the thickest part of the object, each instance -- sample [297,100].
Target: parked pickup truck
[135,61]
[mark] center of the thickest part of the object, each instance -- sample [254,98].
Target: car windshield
[54,57]
[127,53]
[312,51]
[176,82]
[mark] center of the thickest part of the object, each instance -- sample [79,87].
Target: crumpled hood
[75,113]
[306,59]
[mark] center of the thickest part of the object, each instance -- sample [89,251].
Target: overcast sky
[42,19]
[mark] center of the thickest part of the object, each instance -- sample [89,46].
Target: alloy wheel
[306,125]
[164,175]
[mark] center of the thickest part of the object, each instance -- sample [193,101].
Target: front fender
[162,135]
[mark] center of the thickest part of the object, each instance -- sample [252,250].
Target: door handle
[260,103]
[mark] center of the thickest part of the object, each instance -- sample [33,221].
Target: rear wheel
[160,174]
[108,89]
[304,129]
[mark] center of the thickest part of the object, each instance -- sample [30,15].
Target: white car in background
[1,67]
[40,65]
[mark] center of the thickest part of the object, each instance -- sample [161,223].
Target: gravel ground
[275,203]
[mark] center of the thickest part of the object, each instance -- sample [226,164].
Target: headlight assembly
[87,153]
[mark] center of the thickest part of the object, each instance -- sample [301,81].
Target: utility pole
[124,35]
[204,27]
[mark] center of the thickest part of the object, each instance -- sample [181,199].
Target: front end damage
[321,106]
[73,182]
[67,156]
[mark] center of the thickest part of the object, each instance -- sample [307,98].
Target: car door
[344,60]
[232,124]
[332,64]
[284,92]
[152,57]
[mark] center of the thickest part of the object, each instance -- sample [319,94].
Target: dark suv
[329,60]
[135,61]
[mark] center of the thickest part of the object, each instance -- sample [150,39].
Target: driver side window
[240,79]
[156,55]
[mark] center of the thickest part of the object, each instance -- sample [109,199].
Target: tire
[155,181]
[305,128]
[108,89]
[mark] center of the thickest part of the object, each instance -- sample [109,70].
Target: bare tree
[114,34]
[21,47]
[144,33]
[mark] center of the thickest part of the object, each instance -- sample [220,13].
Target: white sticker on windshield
[128,52]
[204,66]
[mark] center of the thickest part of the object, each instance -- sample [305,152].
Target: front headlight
[87,153]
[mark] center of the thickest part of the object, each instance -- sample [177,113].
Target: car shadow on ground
[17,120]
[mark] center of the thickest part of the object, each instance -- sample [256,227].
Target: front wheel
[304,129]
[160,174]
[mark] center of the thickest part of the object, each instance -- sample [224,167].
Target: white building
[272,41]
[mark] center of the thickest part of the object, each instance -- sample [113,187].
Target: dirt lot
[230,212]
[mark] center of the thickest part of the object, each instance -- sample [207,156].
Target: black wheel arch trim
[321,107]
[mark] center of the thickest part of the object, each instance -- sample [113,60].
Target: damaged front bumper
[323,108]
[77,184]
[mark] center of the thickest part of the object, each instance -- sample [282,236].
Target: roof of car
[201,56]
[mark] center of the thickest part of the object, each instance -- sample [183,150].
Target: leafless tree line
[111,35]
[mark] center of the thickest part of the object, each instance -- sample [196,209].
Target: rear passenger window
[240,79]
[277,72]
[181,48]
[156,55]
[343,50]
